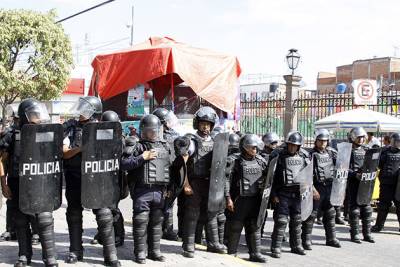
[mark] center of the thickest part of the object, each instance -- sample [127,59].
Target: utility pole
[133,13]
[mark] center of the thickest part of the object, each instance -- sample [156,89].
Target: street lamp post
[292,84]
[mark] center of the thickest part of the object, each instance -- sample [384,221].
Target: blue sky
[258,32]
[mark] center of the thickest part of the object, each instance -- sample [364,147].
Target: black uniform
[389,165]
[148,189]
[104,217]
[288,193]
[196,205]
[357,212]
[244,188]
[45,221]
[324,163]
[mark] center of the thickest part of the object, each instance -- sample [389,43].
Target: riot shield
[339,182]
[368,176]
[40,168]
[397,194]
[266,191]
[217,177]
[101,154]
[305,178]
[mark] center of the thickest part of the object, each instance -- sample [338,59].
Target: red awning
[162,62]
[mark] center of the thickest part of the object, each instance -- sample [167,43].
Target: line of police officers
[212,184]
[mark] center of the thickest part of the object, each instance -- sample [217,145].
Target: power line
[84,11]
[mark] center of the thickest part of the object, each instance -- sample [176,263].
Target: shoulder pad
[304,152]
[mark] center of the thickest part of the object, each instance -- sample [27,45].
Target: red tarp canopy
[162,62]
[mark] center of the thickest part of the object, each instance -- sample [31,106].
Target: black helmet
[249,140]
[31,110]
[161,113]
[357,132]
[395,140]
[205,114]
[150,128]
[88,107]
[109,115]
[234,140]
[96,103]
[270,138]
[322,134]
[294,138]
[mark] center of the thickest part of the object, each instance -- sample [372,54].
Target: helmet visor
[171,120]
[83,108]
[37,114]
[151,134]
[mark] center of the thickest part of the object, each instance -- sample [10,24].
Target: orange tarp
[212,76]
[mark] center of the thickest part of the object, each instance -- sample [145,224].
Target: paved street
[383,253]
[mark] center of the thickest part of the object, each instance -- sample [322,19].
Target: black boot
[24,238]
[366,219]
[277,235]
[255,240]
[74,221]
[306,231]
[105,228]
[154,235]
[295,235]
[354,217]
[213,244]
[338,217]
[45,223]
[189,229]
[168,227]
[119,230]
[22,261]
[235,229]
[380,220]
[140,221]
[330,229]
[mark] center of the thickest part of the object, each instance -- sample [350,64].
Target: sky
[327,33]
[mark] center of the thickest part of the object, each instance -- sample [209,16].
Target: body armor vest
[293,165]
[358,158]
[201,163]
[251,177]
[324,167]
[156,171]
[390,170]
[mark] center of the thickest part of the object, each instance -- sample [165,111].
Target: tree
[35,56]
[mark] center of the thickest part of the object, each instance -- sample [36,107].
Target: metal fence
[261,113]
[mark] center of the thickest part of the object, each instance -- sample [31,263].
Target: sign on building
[365,92]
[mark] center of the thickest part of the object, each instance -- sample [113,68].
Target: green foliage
[35,56]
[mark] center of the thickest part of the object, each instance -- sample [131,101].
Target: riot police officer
[30,111]
[168,120]
[149,189]
[356,211]
[324,162]
[197,187]
[270,141]
[89,109]
[9,234]
[389,164]
[118,218]
[285,194]
[246,175]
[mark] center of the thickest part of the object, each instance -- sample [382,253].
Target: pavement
[385,252]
